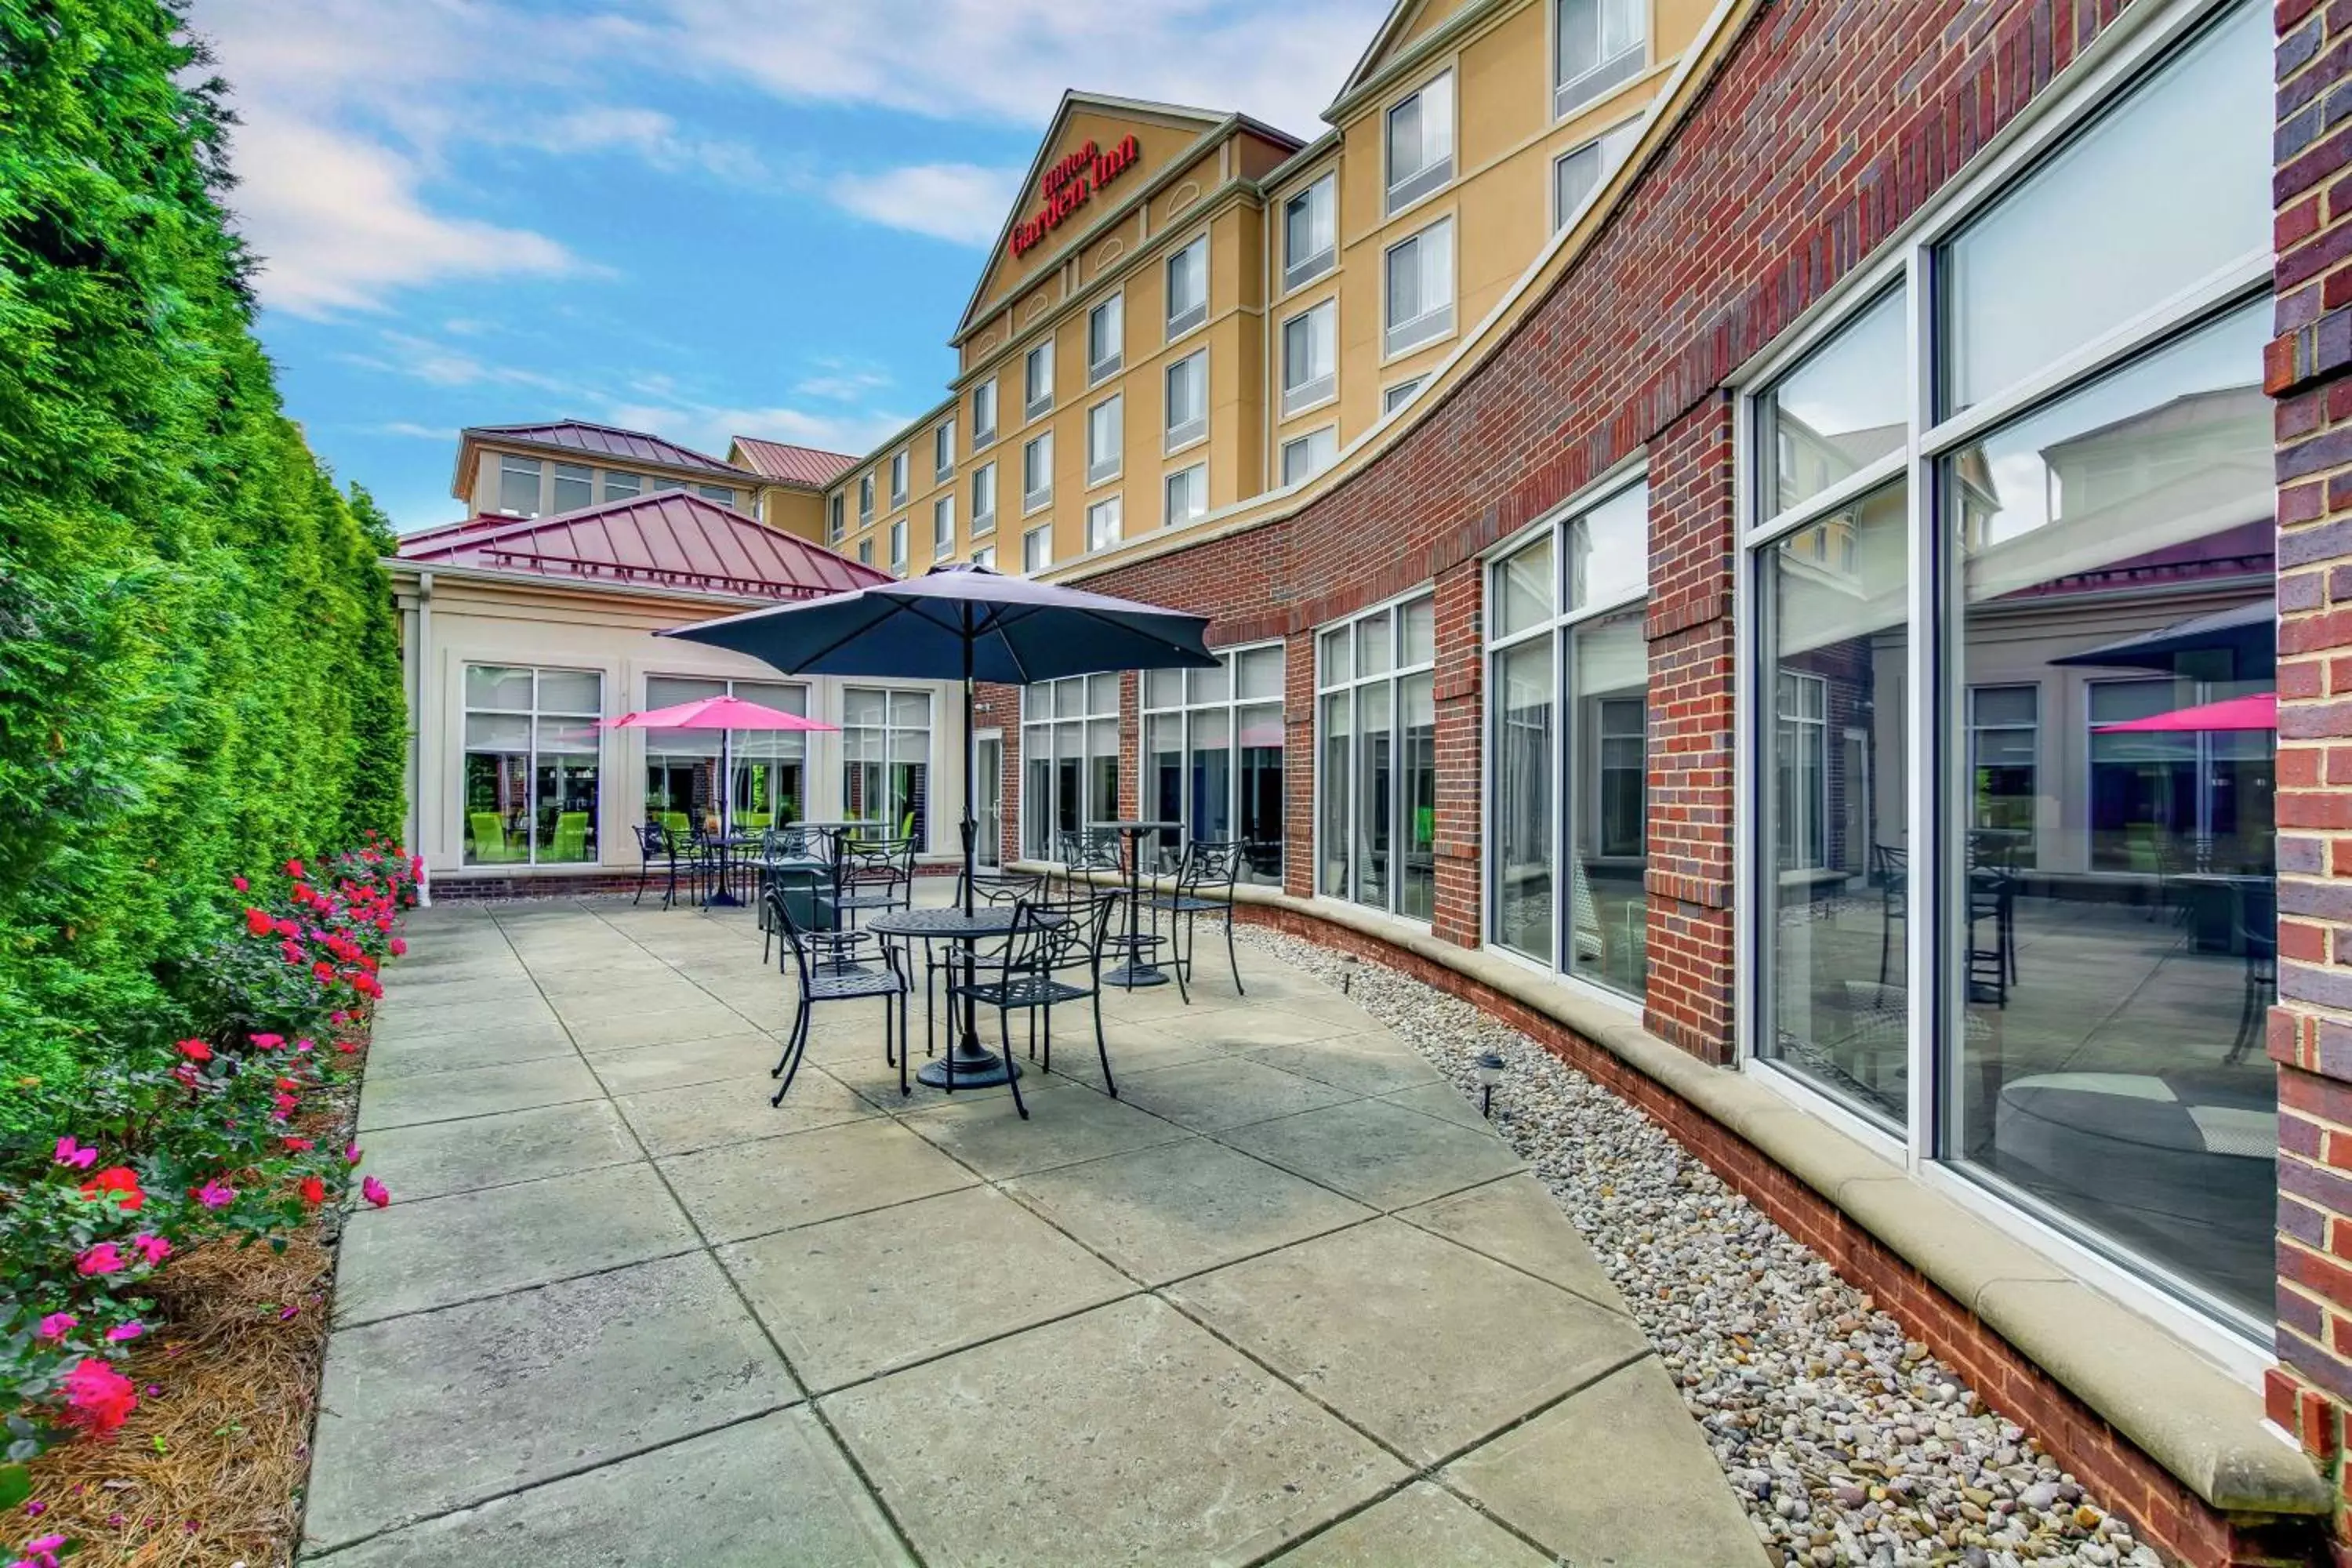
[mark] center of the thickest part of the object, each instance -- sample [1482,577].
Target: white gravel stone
[1847,1444]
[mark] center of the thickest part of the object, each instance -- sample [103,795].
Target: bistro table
[976,1067]
[1138,971]
[721,843]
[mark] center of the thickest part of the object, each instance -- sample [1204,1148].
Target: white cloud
[842,383]
[409,427]
[438,364]
[646,133]
[707,427]
[960,202]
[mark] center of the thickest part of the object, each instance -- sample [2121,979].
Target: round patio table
[1138,971]
[976,1067]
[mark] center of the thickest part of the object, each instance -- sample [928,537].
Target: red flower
[196,1050]
[296,1145]
[399,948]
[97,1397]
[239,883]
[347,1046]
[257,921]
[313,1191]
[324,972]
[367,986]
[267,1042]
[119,1180]
[294,867]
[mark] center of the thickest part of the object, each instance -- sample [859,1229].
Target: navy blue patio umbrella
[962,623]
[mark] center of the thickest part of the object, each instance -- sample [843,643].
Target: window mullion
[1927,674]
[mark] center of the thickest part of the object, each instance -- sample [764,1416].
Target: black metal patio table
[976,1067]
[1138,971]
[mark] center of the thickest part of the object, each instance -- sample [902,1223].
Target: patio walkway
[1286,1300]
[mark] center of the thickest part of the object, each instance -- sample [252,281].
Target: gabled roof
[603,440]
[791,464]
[671,538]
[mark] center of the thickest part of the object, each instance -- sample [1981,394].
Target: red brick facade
[2308,369]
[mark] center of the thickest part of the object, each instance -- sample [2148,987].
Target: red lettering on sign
[1067,183]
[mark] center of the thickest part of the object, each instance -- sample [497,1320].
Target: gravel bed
[1847,1444]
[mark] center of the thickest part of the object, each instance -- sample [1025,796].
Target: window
[835,521]
[1213,753]
[1069,759]
[769,784]
[519,484]
[899,547]
[575,487]
[1310,357]
[1310,233]
[864,498]
[983,497]
[1402,392]
[1105,338]
[1421,142]
[1377,840]
[866,552]
[1037,380]
[1187,494]
[531,765]
[943,450]
[886,770]
[1102,523]
[1188,288]
[1188,401]
[944,525]
[1600,44]
[1037,472]
[985,556]
[619,484]
[1577,173]
[898,477]
[719,493]
[1419,288]
[984,414]
[1103,440]
[1309,454]
[2095,885]
[1567,721]
[1037,549]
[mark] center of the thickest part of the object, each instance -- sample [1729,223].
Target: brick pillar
[1690,632]
[999,708]
[2308,369]
[1461,776]
[1298,764]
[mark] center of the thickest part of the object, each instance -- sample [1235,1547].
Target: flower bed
[155,1192]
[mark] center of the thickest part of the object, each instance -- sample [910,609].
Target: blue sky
[700,217]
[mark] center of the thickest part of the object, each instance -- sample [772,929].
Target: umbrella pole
[970,784]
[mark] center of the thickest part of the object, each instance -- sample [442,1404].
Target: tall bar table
[1138,971]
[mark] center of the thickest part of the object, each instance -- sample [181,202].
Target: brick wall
[2308,369]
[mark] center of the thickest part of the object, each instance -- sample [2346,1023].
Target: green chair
[570,837]
[753,821]
[677,822]
[490,846]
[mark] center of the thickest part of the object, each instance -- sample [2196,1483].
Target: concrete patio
[1285,1300]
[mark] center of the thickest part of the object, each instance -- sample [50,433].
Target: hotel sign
[1065,186]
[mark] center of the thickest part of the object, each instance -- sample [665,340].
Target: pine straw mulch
[209,1470]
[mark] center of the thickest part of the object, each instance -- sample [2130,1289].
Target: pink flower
[74,1154]
[57,1326]
[213,1195]
[103,1258]
[303,1045]
[399,948]
[284,1103]
[294,867]
[375,1192]
[350,1153]
[239,883]
[123,1334]
[267,1042]
[154,1248]
[100,1397]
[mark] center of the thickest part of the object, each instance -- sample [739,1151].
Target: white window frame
[944,525]
[985,556]
[1302,440]
[619,484]
[537,469]
[984,486]
[1298,271]
[864,497]
[1355,683]
[1299,395]
[1103,467]
[1193,317]
[1042,496]
[837,519]
[1435,171]
[1608,150]
[1037,550]
[899,466]
[1605,76]
[1908,257]
[1038,379]
[1100,368]
[1231,706]
[943,450]
[983,398]
[1174,435]
[1042,726]
[1196,478]
[530,718]
[1106,522]
[899,545]
[1398,393]
[1436,323]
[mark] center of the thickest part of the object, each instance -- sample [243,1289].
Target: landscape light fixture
[1347,973]
[1490,1073]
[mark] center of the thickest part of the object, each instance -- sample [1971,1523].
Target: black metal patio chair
[1052,957]
[873,875]
[1205,877]
[657,843]
[998,889]
[829,973]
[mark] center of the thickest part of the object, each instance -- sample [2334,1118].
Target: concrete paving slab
[1228,1091]
[1249,1027]
[1126,1435]
[692,1021]
[563,981]
[511,983]
[432,1412]
[501,1047]
[1377,1154]
[773,1183]
[434,1253]
[1422,1524]
[1376,1063]
[1619,1473]
[1518,1222]
[638,1068]
[473,1092]
[768,1492]
[854,1296]
[734,1110]
[1442,1100]
[1066,1124]
[406,1023]
[1166,1211]
[863,1070]
[668,993]
[1427,1345]
[439,1157]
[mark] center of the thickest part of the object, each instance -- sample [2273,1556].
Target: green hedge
[199,664]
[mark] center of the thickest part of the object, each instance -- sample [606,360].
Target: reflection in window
[531,746]
[1069,749]
[1837,413]
[682,765]
[1379,782]
[885,774]
[1215,754]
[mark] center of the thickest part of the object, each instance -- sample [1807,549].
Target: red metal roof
[672,538]
[605,440]
[794,465]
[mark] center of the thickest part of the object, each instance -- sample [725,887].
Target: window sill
[1176,334]
[1390,356]
[1304,410]
[1096,481]
[981,527]
[1167,449]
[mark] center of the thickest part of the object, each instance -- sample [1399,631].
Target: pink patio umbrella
[2259,711]
[726,715]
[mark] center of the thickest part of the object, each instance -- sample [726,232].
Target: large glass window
[1600,44]
[1188,401]
[898,477]
[575,487]
[1069,751]
[530,765]
[1037,380]
[2091,893]
[1188,288]
[1106,425]
[1577,173]
[1421,142]
[1037,472]
[622,485]
[770,766]
[1310,232]
[1418,289]
[1214,753]
[885,749]
[1105,338]
[1188,495]
[983,497]
[1304,456]
[944,448]
[1568,721]
[1310,356]
[1103,523]
[519,484]
[1377,777]
[984,414]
